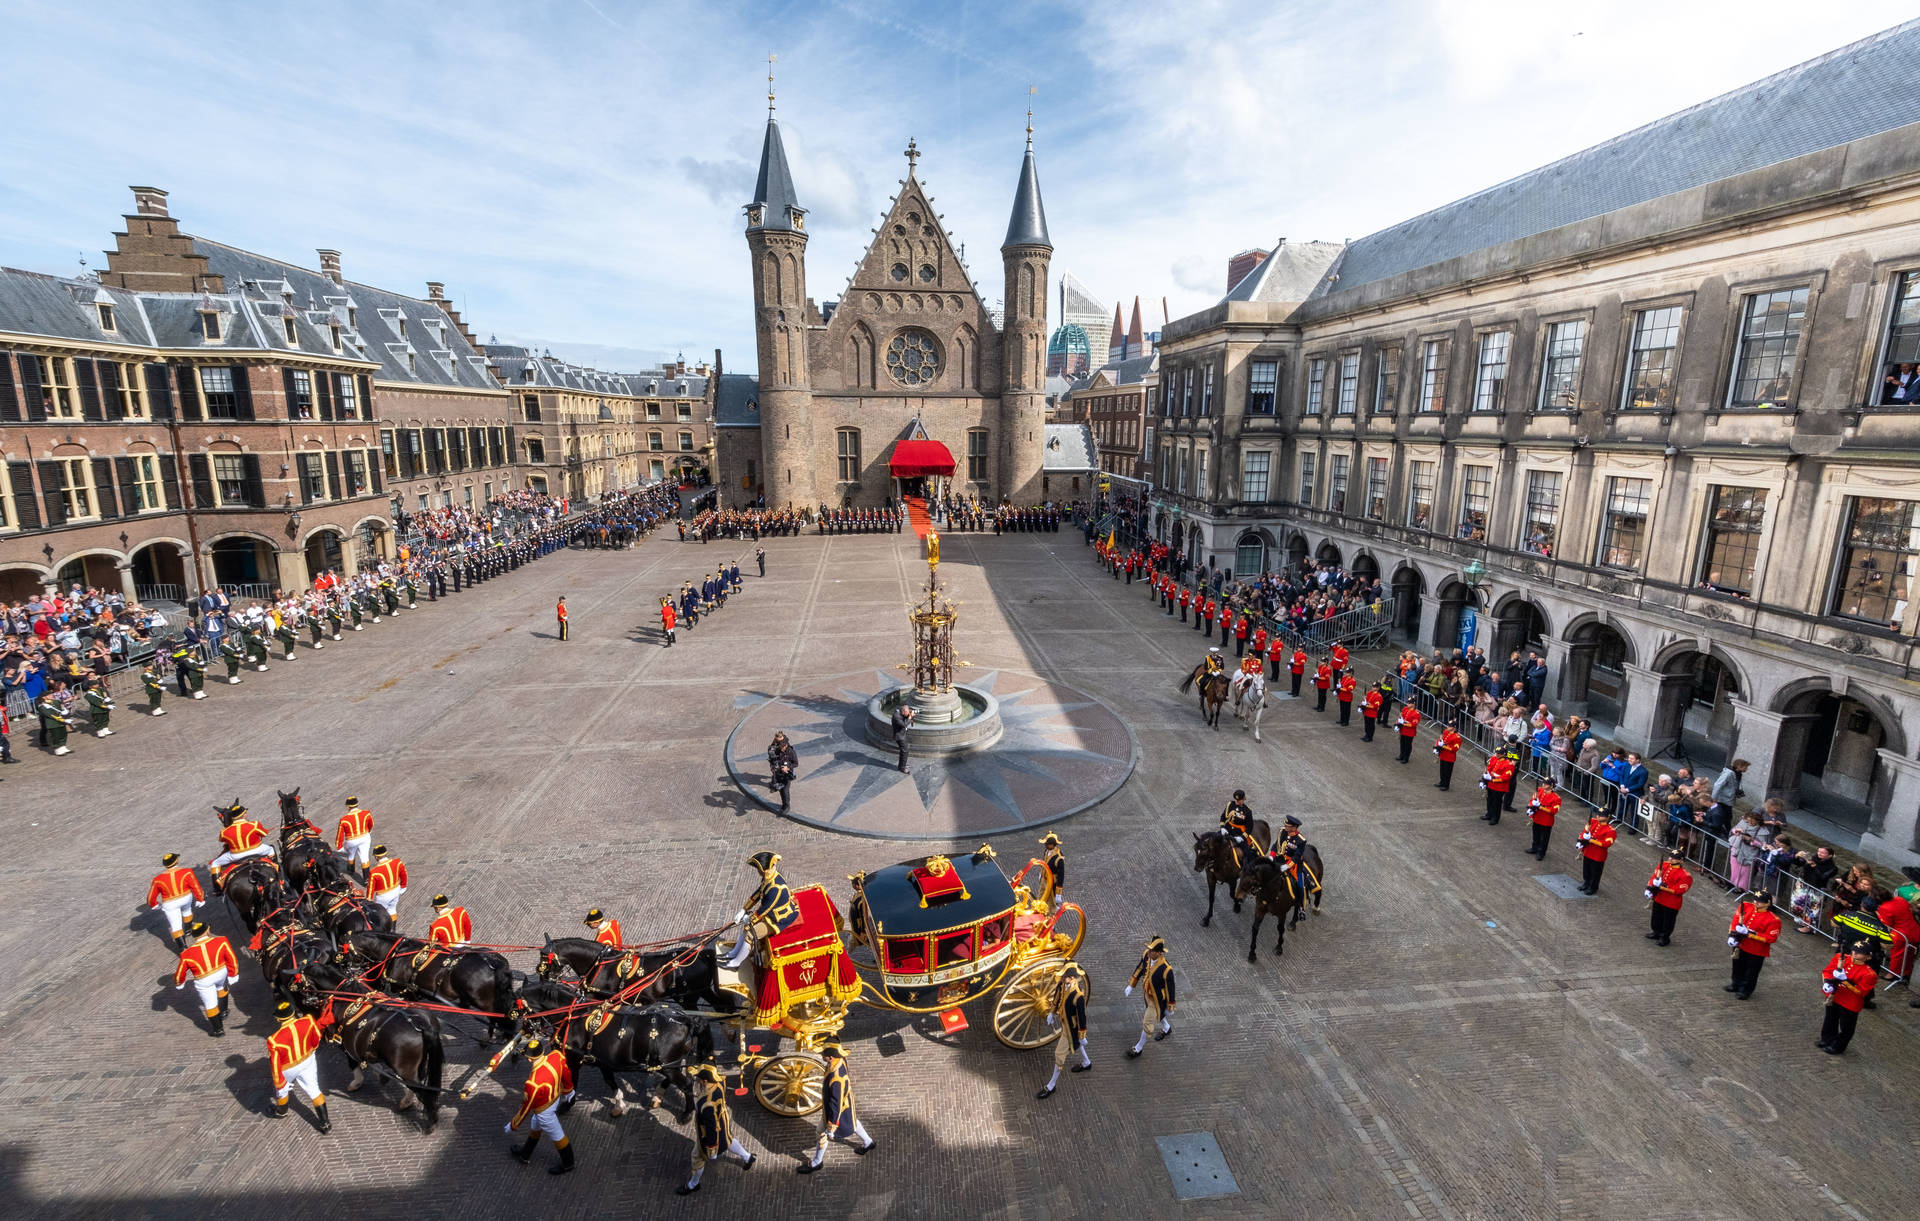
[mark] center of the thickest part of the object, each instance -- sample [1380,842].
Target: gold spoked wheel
[791,1083]
[1020,1015]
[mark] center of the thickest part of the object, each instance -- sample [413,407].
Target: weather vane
[1031,90]
[771,60]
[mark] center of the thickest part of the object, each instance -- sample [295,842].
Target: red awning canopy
[912,458]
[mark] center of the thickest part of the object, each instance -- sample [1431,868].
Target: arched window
[849,450]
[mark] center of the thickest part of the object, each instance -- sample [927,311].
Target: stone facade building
[1647,387]
[910,341]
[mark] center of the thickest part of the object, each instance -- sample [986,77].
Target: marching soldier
[256,647]
[769,910]
[712,1126]
[1598,836]
[1276,652]
[606,930]
[1497,780]
[1750,936]
[150,679]
[291,1054]
[334,619]
[175,893]
[190,673]
[838,1119]
[452,927]
[209,965]
[284,633]
[1447,750]
[1540,811]
[547,1095]
[1056,863]
[1409,724]
[53,723]
[100,707]
[1848,983]
[354,834]
[1154,976]
[233,653]
[240,837]
[1340,656]
[387,880]
[1666,891]
[1069,1013]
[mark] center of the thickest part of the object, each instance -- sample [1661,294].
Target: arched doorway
[1179,537]
[325,550]
[1327,554]
[1456,622]
[1297,552]
[1366,566]
[160,572]
[1827,756]
[95,570]
[247,564]
[1517,624]
[20,584]
[1596,671]
[1696,706]
[1250,554]
[1408,585]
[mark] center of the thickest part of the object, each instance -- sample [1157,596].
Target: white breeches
[547,1122]
[306,1075]
[390,899]
[207,987]
[176,911]
[358,849]
[228,858]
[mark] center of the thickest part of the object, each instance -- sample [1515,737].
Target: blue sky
[574,170]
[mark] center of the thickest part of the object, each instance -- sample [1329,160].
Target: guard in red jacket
[1299,670]
[1369,714]
[667,620]
[1847,981]
[1345,694]
[1259,646]
[1751,936]
[176,892]
[1322,679]
[1276,653]
[1497,780]
[1594,842]
[1241,629]
[1543,807]
[1409,727]
[1340,659]
[1447,750]
[1667,889]
[1186,600]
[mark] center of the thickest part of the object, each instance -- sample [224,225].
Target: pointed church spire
[774,204]
[1136,337]
[1028,225]
[1117,340]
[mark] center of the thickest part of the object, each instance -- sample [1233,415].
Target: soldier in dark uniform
[1154,976]
[1237,818]
[233,653]
[150,679]
[1069,1014]
[1056,862]
[189,672]
[782,763]
[712,1128]
[838,1119]
[769,909]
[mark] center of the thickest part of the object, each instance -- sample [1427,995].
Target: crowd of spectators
[67,637]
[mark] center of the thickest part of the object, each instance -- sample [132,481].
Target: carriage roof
[900,907]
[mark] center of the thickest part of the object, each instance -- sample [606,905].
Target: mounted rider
[769,910]
[606,930]
[1237,821]
[240,837]
[452,927]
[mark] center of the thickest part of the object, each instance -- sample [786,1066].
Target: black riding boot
[565,1164]
[217,1025]
[320,1119]
[525,1152]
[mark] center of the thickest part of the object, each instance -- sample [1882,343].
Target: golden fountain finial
[933,548]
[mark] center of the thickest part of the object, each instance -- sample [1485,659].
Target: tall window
[1200,472]
[125,381]
[537,452]
[1734,519]
[230,479]
[1316,385]
[977,455]
[1386,381]
[1377,488]
[1337,483]
[106,317]
[210,325]
[655,441]
[1420,476]
[1769,344]
[1623,530]
[56,387]
[313,477]
[1542,518]
[302,404]
[356,472]
[1882,539]
[389,461]
[1308,492]
[1181,466]
[1349,383]
[149,490]
[1561,374]
[1651,358]
[1206,394]
[1900,374]
[686,443]
[1490,377]
[1433,375]
[849,449]
[293,336]
[76,487]
[216,392]
[1476,500]
[1262,378]
[1253,476]
[344,402]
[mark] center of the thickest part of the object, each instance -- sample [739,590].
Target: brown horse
[1216,855]
[1214,690]
[1274,891]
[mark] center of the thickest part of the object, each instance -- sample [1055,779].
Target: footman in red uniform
[1594,842]
[1667,889]
[1847,981]
[1751,936]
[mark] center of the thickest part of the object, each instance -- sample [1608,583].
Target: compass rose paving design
[1061,751]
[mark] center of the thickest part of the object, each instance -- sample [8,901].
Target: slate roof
[62,307]
[1069,448]
[1131,371]
[1290,273]
[1028,224]
[773,190]
[1859,90]
[522,369]
[736,401]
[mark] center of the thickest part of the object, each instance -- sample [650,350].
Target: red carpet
[917,514]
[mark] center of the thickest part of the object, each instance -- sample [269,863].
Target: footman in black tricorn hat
[838,1121]
[1155,973]
[712,1127]
[769,910]
[1070,1015]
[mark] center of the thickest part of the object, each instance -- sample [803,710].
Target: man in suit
[902,718]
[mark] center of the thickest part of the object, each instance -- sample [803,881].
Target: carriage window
[994,932]
[907,955]
[954,947]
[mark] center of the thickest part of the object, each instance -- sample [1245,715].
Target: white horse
[1249,690]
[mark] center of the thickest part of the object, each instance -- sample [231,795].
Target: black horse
[303,849]
[339,908]
[1274,890]
[466,979]
[1216,855]
[254,887]
[406,1041]
[604,971]
[287,948]
[661,1039]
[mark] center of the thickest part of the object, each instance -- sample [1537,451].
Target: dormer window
[402,321]
[333,330]
[353,318]
[412,367]
[210,325]
[106,317]
[293,336]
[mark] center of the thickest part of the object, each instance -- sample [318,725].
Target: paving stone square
[1449,1038]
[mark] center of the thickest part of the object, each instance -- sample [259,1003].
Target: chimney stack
[1241,265]
[330,264]
[436,290]
[149,201]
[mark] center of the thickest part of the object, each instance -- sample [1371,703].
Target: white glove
[1049,1019]
[1827,988]
[741,917]
[1733,941]
[1649,892]
[199,902]
[1129,991]
[1740,929]
[508,1129]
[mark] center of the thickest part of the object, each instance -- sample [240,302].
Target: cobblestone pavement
[1448,1040]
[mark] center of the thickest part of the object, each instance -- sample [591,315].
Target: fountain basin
[950,722]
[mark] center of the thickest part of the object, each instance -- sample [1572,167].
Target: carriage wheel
[791,1084]
[1020,1015]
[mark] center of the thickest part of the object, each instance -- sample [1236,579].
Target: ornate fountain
[949,717]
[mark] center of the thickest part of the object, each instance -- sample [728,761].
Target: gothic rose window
[912,358]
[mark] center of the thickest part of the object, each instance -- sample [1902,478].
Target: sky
[574,170]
